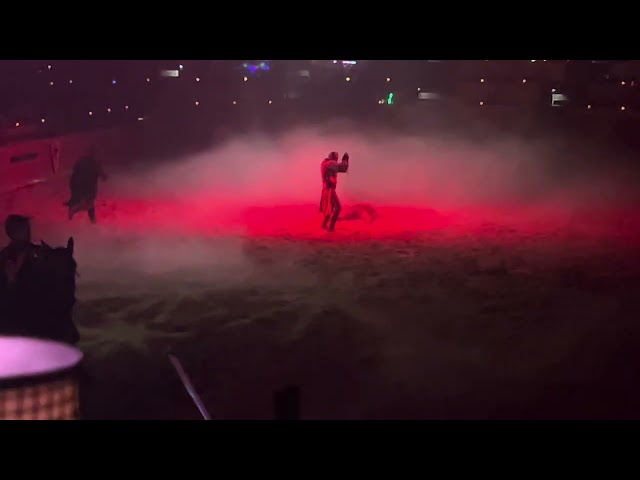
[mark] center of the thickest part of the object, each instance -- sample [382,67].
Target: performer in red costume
[329,203]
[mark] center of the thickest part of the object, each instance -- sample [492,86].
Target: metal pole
[186,381]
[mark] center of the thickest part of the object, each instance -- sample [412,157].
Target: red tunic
[329,170]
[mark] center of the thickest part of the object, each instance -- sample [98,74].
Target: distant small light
[113,82]
[197,79]
[234,102]
[181,67]
[70,82]
[622,108]
[388,79]
[140,119]
[51,83]
[589,107]
[197,103]
[148,79]
[335,61]
[348,79]
[90,113]
[533,61]
[622,83]
[126,107]
[17,124]
[108,110]
[481,103]
[245,79]
[524,80]
[419,89]
[42,120]
[482,80]
[49,67]
[553,90]
[270,102]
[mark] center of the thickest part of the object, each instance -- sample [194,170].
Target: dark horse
[40,303]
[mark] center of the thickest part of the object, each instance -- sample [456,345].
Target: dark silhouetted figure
[37,286]
[330,205]
[17,258]
[84,186]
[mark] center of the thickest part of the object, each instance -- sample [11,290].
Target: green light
[390,99]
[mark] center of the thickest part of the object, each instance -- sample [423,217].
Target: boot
[332,225]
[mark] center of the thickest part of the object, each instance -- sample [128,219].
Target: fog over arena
[388,168]
[186,213]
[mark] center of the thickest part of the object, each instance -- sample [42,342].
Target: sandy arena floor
[420,314]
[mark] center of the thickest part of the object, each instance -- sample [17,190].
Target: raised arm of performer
[343,166]
[332,167]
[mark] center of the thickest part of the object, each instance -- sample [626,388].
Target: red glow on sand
[220,218]
[206,217]
[263,186]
